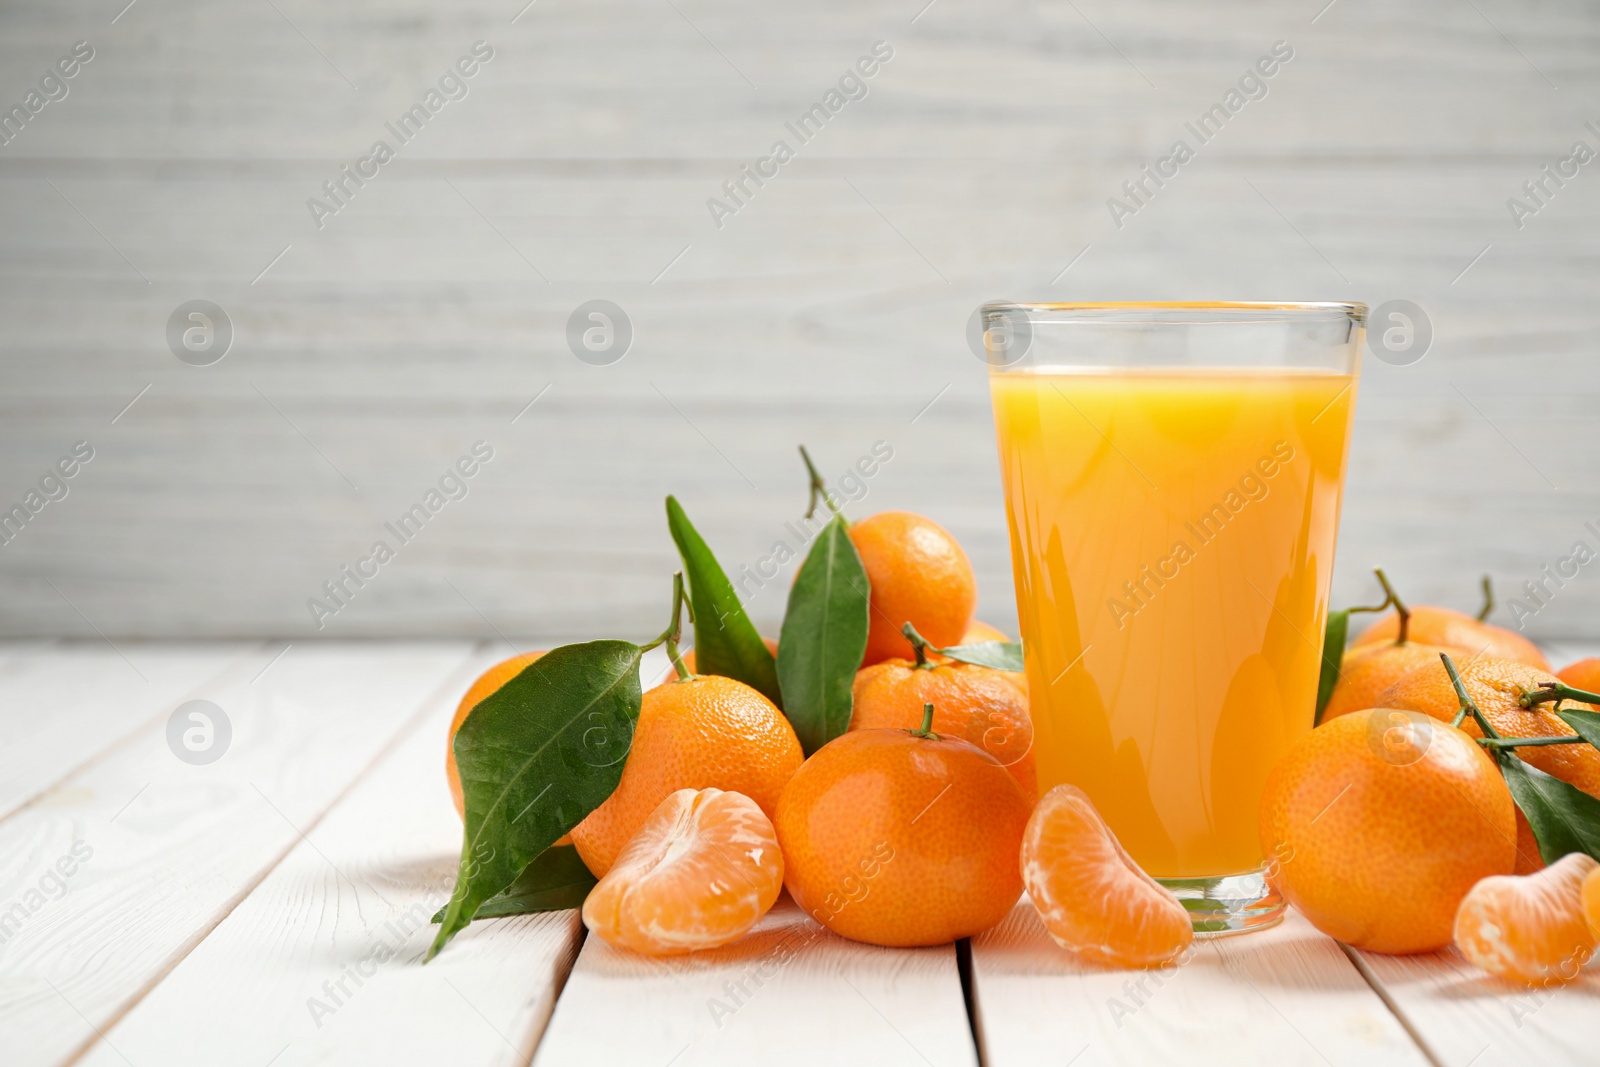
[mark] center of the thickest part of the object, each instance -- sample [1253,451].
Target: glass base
[1230,904]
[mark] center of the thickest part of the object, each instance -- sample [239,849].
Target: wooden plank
[356,896]
[152,851]
[65,703]
[1286,995]
[789,993]
[1464,1016]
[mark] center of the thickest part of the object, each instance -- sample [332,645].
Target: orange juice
[1172,536]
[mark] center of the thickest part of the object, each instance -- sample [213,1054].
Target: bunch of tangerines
[877,762]
[1448,795]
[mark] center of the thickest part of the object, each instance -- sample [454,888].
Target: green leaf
[1563,817]
[725,640]
[536,756]
[554,881]
[1001,655]
[824,637]
[1332,655]
[1586,724]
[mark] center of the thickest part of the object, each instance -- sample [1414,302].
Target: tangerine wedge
[1591,902]
[701,871]
[1529,928]
[1092,897]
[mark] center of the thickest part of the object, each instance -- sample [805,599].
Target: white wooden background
[219,905]
[830,310]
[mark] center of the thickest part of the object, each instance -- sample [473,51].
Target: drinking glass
[1173,475]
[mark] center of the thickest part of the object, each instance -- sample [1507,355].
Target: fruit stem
[818,488]
[1488,599]
[1557,692]
[1391,597]
[674,630]
[1524,742]
[927,724]
[919,645]
[1467,706]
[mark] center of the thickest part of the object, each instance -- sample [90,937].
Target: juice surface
[1172,537]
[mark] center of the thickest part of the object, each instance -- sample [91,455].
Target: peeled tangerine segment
[1093,898]
[699,873]
[1529,928]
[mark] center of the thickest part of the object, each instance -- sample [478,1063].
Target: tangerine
[487,682]
[1591,902]
[919,574]
[979,631]
[1365,672]
[981,704]
[1497,686]
[1093,899]
[1380,822]
[1530,928]
[701,871]
[1452,629]
[903,837]
[693,732]
[1583,674]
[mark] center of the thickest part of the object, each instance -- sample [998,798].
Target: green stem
[919,645]
[818,488]
[927,724]
[1391,597]
[1557,692]
[1488,599]
[1527,742]
[1467,706]
[674,630]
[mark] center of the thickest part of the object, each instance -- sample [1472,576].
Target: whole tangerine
[918,574]
[983,705]
[1452,629]
[696,732]
[903,837]
[1379,823]
[1367,670]
[487,682]
[1497,687]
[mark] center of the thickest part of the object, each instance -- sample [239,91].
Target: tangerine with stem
[694,732]
[903,837]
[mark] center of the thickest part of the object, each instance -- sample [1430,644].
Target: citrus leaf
[556,880]
[824,637]
[1333,639]
[725,640]
[1563,817]
[1001,655]
[536,756]
[1586,724]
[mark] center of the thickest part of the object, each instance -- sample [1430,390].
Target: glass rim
[1352,309]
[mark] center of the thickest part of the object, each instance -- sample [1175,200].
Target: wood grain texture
[172,847]
[67,703]
[788,993]
[831,309]
[322,963]
[1285,995]
[1465,1016]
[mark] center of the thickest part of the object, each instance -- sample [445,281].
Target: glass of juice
[1173,474]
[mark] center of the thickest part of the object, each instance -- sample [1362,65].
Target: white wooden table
[270,908]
